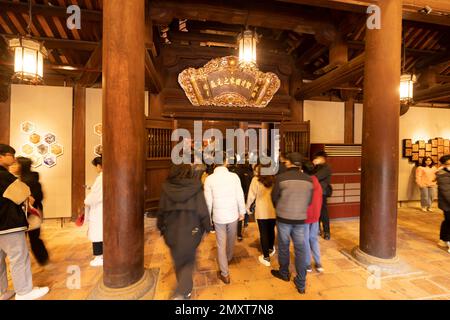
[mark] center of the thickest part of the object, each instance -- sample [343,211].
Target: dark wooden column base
[144,289]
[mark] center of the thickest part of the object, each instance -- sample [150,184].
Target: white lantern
[247,47]
[28,59]
[407,87]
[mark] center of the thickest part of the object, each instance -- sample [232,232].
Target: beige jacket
[264,208]
[426,176]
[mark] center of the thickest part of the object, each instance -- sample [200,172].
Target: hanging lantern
[247,47]
[28,59]
[407,87]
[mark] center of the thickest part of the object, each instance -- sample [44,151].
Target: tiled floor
[342,279]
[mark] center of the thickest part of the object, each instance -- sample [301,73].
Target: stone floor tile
[343,279]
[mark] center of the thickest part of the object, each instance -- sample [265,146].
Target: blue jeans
[427,197]
[297,233]
[312,243]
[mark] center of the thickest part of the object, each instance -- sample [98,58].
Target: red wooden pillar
[381,134]
[5,113]
[349,125]
[78,149]
[123,142]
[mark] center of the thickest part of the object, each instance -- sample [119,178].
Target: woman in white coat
[94,215]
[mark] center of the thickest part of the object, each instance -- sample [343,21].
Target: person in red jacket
[313,217]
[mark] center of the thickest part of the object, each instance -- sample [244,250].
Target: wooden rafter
[93,68]
[338,76]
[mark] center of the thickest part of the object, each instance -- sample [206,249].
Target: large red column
[123,142]
[380,150]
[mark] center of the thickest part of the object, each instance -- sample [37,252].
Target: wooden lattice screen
[295,137]
[297,142]
[159,143]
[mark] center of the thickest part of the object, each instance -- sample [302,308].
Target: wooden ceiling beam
[256,14]
[48,11]
[355,5]
[411,8]
[54,43]
[361,44]
[439,60]
[433,93]
[337,77]
[200,37]
[445,79]
[230,41]
[88,79]
[311,54]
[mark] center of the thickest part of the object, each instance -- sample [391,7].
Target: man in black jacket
[292,195]
[13,224]
[245,174]
[323,174]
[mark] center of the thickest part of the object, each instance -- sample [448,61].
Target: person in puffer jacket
[183,219]
[312,220]
[13,224]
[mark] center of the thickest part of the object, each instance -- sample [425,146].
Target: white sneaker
[264,261]
[424,209]
[34,294]
[7,295]
[430,210]
[272,253]
[97,262]
[319,268]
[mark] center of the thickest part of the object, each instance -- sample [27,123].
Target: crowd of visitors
[196,200]
[220,199]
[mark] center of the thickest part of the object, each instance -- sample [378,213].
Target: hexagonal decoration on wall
[27,149]
[35,138]
[50,160]
[98,150]
[98,129]
[42,149]
[57,149]
[50,138]
[27,127]
[37,161]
